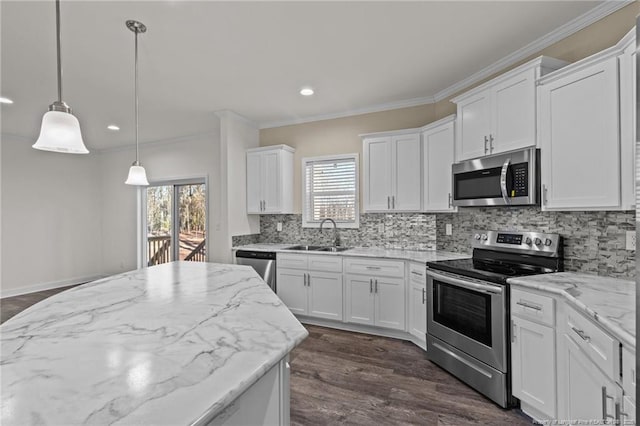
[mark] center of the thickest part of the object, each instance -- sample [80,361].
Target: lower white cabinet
[588,393]
[628,410]
[418,303]
[292,290]
[374,300]
[533,352]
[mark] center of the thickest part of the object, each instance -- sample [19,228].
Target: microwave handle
[503,181]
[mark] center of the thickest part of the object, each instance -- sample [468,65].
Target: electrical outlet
[279,226]
[381,228]
[448,229]
[631,240]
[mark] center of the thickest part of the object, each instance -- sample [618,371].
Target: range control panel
[517,241]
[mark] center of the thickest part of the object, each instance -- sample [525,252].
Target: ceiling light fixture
[306,91]
[137,174]
[60,130]
[4,100]
[113,127]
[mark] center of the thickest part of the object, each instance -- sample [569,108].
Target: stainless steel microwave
[507,179]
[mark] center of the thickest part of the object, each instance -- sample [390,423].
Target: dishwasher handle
[245,254]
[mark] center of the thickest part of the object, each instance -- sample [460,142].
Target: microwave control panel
[520,186]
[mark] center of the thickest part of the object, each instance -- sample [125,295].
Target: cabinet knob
[547,242]
[528,241]
[537,241]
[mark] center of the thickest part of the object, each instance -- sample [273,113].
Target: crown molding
[226,113]
[595,14]
[358,111]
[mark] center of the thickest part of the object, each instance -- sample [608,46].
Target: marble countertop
[422,256]
[170,344]
[609,301]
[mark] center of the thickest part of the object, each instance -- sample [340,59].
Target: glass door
[176,222]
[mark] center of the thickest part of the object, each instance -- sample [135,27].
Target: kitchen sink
[318,248]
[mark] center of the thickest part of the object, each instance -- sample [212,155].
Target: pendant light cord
[136,90]
[59,54]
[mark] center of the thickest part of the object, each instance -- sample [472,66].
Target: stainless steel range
[468,306]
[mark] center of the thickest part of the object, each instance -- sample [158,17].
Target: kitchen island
[175,344]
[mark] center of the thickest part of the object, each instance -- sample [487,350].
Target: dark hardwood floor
[339,377]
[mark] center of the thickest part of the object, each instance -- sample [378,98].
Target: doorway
[175,222]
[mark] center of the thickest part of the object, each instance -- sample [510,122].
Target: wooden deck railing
[198,254]
[158,249]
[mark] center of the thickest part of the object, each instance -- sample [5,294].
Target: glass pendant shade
[137,175]
[60,132]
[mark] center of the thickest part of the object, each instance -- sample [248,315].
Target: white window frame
[344,225]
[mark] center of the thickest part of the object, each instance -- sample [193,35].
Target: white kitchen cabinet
[438,140]
[588,393]
[270,180]
[418,303]
[375,292]
[392,171]
[628,411]
[579,138]
[627,68]
[500,115]
[311,285]
[533,364]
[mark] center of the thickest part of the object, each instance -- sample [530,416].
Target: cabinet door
[377,174]
[585,386]
[533,352]
[628,415]
[389,303]
[438,147]
[418,310]
[474,125]
[325,295]
[360,297]
[271,181]
[628,125]
[580,145]
[292,290]
[513,123]
[254,183]
[406,160]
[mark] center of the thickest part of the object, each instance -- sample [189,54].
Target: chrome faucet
[336,237]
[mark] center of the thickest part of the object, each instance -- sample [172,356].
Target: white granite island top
[172,344]
[422,256]
[609,301]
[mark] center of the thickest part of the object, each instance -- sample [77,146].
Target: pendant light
[137,174]
[60,130]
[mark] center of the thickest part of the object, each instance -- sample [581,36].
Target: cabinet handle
[388,202]
[450,201]
[370,285]
[424,296]
[513,331]
[375,268]
[526,305]
[605,396]
[304,280]
[265,204]
[376,280]
[416,273]
[490,143]
[581,334]
[544,195]
[486,140]
[309,280]
[393,202]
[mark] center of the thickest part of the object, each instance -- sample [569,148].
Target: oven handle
[485,288]
[503,181]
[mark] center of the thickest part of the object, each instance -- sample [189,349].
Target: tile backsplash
[594,242]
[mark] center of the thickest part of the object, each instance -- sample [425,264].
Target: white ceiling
[250,57]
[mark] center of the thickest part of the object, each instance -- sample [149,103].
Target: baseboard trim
[48,285]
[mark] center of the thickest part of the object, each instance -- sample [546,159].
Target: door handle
[424,296]
[308,280]
[486,140]
[370,285]
[376,280]
[490,143]
[503,181]
[393,202]
[388,202]
[304,280]
[581,333]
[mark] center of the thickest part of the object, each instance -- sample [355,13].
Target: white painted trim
[226,113]
[49,285]
[598,12]
[448,119]
[356,328]
[390,133]
[271,147]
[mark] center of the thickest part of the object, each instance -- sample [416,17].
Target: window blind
[330,190]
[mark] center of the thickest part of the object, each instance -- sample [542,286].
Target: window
[330,190]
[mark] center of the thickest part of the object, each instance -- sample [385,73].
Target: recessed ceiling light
[113,127]
[306,91]
[4,100]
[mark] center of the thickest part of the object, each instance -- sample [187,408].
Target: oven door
[469,315]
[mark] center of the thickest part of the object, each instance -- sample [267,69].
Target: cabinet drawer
[293,261]
[326,263]
[374,267]
[629,372]
[532,306]
[601,348]
[418,273]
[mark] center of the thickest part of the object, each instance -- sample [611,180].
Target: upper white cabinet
[583,109]
[438,156]
[627,67]
[270,180]
[500,115]
[392,171]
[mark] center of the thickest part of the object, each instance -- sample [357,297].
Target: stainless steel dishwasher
[262,261]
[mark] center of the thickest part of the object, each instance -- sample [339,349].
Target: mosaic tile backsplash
[594,242]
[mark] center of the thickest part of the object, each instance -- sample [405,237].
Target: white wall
[51,218]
